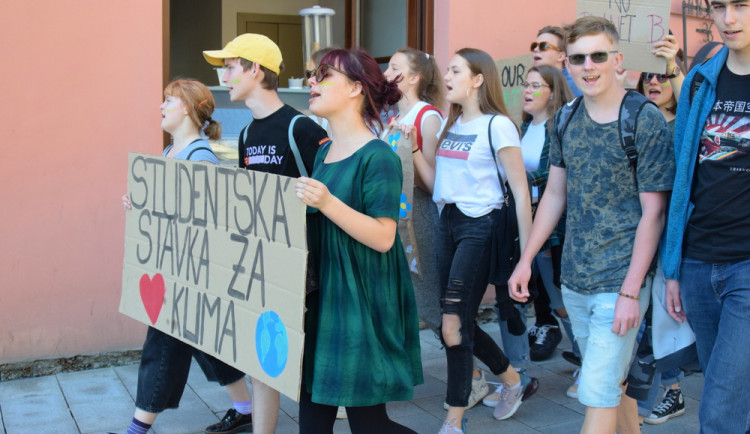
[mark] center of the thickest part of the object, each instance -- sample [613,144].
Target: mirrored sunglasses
[596,57]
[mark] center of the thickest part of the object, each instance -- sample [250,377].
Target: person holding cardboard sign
[361,331]
[165,362]
[419,119]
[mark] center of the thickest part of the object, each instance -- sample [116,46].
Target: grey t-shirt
[603,204]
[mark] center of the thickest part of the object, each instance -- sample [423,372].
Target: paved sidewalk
[102,400]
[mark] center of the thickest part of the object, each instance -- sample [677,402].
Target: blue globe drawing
[271,343]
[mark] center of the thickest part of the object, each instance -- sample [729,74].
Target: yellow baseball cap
[250,46]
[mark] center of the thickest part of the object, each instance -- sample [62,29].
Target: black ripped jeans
[463,263]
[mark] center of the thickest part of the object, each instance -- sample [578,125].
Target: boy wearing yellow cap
[253,63]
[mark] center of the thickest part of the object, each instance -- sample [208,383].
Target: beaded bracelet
[633,297]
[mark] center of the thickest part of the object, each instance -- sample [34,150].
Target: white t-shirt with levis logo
[466,173]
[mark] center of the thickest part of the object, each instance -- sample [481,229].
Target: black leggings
[319,418]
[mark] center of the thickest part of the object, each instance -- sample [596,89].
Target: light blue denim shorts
[606,356]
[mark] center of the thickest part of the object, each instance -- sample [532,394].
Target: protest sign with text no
[640,24]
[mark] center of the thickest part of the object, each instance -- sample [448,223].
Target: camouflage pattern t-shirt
[604,208]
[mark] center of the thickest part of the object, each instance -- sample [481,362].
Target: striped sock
[244,407]
[137,427]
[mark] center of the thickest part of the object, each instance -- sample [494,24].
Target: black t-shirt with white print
[719,227]
[267,146]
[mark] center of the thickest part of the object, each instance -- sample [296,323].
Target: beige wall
[81,87]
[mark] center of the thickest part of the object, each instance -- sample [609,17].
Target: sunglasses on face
[321,72]
[646,77]
[596,57]
[543,46]
[534,85]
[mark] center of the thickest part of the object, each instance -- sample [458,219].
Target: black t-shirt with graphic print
[719,227]
[267,146]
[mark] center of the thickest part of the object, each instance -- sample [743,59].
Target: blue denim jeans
[463,263]
[516,347]
[606,355]
[716,299]
[163,372]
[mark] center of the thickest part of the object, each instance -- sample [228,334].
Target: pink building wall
[81,86]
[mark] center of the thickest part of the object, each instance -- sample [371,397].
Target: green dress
[362,332]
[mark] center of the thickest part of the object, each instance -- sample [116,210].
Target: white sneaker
[573,390]
[479,389]
[341,413]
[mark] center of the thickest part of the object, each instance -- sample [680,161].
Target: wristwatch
[675,72]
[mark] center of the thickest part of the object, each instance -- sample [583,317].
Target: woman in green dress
[362,331]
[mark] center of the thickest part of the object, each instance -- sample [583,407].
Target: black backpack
[630,108]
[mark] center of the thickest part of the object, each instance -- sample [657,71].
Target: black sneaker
[232,422]
[571,357]
[532,334]
[547,338]
[672,405]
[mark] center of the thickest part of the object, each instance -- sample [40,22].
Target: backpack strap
[295,149]
[292,144]
[564,115]
[205,148]
[418,122]
[630,108]
[494,158]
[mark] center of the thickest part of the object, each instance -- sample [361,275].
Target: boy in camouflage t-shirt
[615,219]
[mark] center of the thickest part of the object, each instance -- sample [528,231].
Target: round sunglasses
[321,72]
[596,57]
[543,46]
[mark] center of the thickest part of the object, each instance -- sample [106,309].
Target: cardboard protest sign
[402,146]
[512,73]
[640,24]
[215,256]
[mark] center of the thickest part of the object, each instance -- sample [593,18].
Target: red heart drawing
[152,295]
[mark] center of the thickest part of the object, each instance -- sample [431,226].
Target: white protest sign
[640,24]
[215,256]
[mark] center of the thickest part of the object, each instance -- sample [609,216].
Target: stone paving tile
[538,412]
[35,405]
[97,399]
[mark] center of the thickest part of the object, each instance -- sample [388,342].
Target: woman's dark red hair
[379,93]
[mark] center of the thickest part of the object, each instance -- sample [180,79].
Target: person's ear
[478,80]
[357,89]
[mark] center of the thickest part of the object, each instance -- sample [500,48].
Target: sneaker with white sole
[510,400]
[672,405]
[573,389]
[479,389]
[530,386]
[449,427]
